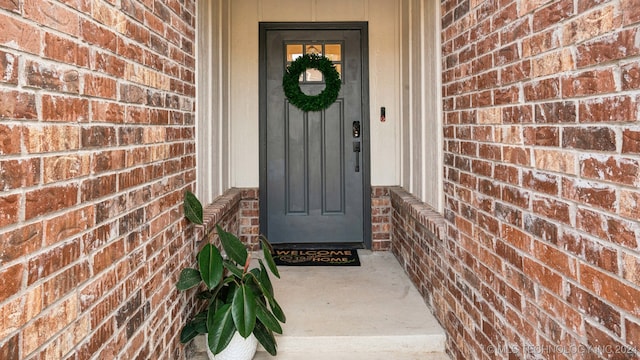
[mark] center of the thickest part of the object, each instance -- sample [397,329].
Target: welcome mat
[323,257]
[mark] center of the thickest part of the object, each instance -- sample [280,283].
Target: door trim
[363,27]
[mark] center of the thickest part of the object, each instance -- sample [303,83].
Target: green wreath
[291,83]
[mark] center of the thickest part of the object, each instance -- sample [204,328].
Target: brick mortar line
[541,195]
[149,276]
[88,17]
[62,182]
[24,56]
[50,216]
[575,207]
[581,155]
[84,254]
[78,238]
[563,276]
[80,180]
[578,101]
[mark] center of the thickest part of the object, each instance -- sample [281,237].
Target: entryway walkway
[367,312]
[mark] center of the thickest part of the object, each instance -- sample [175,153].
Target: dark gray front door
[314,185]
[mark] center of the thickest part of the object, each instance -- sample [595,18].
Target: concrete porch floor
[368,312]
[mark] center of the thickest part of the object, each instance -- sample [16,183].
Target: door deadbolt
[356,129]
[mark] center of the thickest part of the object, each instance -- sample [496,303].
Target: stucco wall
[422,135]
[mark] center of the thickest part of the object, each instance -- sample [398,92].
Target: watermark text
[564,349]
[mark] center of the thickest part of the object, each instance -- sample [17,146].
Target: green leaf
[233,269]
[220,328]
[255,272]
[266,338]
[251,279]
[194,327]
[204,295]
[189,331]
[200,322]
[265,281]
[192,208]
[266,250]
[224,292]
[264,315]
[243,309]
[188,279]
[277,310]
[210,263]
[202,316]
[234,248]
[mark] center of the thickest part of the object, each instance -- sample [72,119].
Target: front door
[314,165]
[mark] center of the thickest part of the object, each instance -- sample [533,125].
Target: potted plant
[240,300]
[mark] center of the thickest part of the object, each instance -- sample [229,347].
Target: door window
[333,51]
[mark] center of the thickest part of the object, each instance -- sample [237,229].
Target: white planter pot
[238,349]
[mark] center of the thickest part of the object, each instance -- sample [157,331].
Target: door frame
[363,27]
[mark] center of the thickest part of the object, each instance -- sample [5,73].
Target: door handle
[356,149]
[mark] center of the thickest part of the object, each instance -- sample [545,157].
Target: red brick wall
[380,219]
[542,167]
[249,218]
[238,212]
[97,148]
[418,242]
[249,213]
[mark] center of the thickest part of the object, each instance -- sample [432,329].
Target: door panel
[333,152]
[314,187]
[296,164]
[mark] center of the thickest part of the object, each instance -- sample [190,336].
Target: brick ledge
[220,207]
[425,214]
